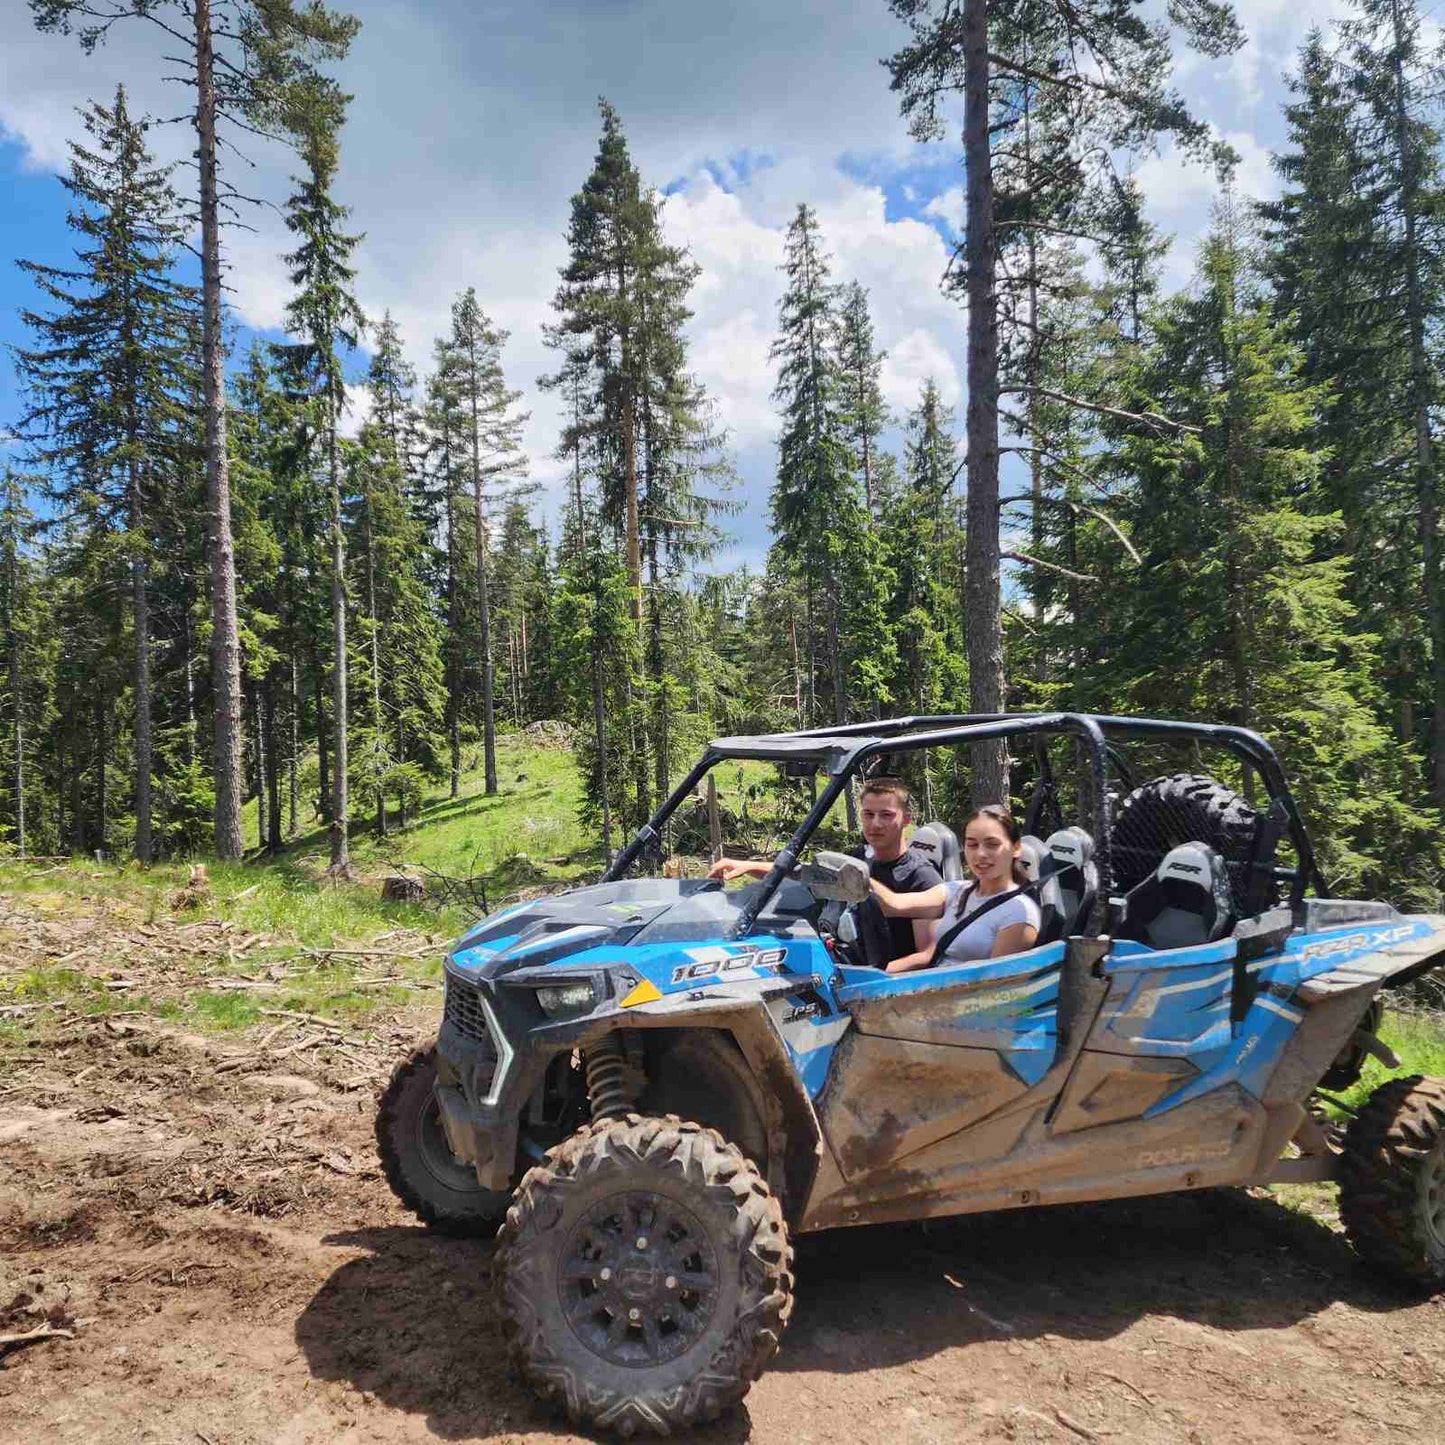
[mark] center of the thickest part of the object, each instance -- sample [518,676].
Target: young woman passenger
[1008,919]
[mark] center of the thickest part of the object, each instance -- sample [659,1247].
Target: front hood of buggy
[623,916]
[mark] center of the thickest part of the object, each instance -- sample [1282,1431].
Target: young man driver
[885,810]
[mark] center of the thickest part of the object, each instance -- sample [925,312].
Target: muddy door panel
[933,1053]
[1166,1022]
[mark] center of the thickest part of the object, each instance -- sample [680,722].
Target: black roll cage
[842,751]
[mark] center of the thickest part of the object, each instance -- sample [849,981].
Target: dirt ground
[204,1216]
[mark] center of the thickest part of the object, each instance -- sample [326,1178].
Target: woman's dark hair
[998,813]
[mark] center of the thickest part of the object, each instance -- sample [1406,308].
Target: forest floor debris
[196,1242]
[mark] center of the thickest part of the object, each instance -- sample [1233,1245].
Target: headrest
[1070,848]
[939,844]
[1037,861]
[1184,901]
[1190,863]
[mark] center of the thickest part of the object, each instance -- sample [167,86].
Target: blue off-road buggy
[651,1085]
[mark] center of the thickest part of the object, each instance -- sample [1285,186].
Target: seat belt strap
[941,947]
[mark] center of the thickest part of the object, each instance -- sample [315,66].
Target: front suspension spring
[611,1086]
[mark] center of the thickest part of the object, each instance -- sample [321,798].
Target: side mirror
[835,875]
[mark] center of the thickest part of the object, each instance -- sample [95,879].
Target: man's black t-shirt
[910,872]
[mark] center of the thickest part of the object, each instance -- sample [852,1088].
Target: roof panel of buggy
[827,751]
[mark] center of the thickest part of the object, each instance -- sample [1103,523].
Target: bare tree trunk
[225,630]
[60,818]
[323,746]
[258,765]
[454,622]
[599,722]
[489,720]
[629,466]
[378,729]
[102,773]
[1428,507]
[140,598]
[77,805]
[797,671]
[269,733]
[340,843]
[835,649]
[812,649]
[190,692]
[1040,589]
[293,752]
[984,616]
[17,698]
[661,757]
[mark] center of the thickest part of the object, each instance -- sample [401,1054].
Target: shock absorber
[611,1081]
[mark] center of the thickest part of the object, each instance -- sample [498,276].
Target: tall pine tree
[326,320]
[112,376]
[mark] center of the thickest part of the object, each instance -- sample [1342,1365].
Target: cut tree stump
[400,889]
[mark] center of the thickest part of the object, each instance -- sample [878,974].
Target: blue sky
[472,126]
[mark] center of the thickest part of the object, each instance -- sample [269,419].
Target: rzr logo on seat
[768,958]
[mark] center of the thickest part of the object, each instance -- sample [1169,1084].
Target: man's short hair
[894,786]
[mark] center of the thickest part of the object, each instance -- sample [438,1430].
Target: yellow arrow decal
[645,992]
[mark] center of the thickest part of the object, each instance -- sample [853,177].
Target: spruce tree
[445,422]
[495,459]
[1395,76]
[1260,629]
[325,319]
[923,547]
[252,64]
[25,662]
[399,630]
[1100,69]
[641,427]
[819,515]
[112,374]
[598,320]
[863,414]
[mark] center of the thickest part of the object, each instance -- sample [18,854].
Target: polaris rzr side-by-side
[652,1085]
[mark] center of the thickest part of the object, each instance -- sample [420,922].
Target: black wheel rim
[436,1154]
[638,1279]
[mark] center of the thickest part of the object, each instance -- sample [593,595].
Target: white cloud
[473,125]
[738,239]
[917,358]
[359,405]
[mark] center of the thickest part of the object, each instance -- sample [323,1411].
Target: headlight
[568,1000]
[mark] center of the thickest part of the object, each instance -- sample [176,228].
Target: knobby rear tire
[691,1171]
[1392,1180]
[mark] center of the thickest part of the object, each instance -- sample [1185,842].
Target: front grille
[463,1009]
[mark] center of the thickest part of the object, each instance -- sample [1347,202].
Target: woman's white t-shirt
[976,940]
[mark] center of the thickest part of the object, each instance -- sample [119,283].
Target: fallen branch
[45,1332]
[286,1013]
[1144,1395]
[1069,1423]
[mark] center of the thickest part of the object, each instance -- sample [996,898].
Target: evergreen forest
[219,599]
